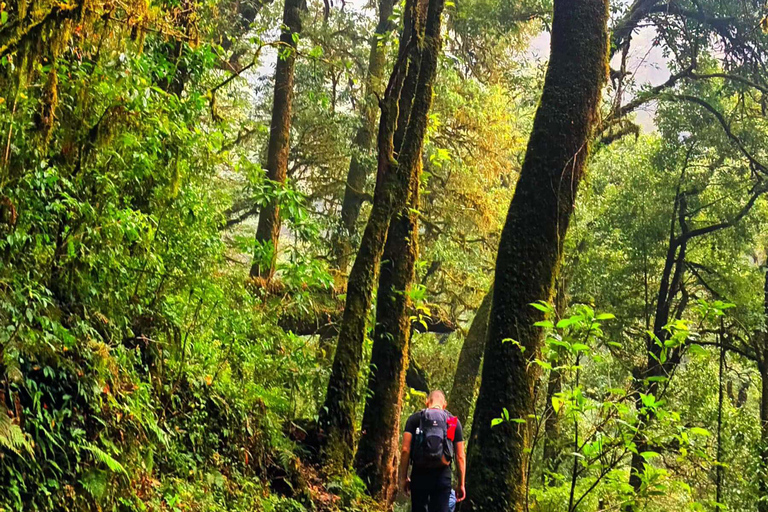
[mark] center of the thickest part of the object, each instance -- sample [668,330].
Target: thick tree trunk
[268,229]
[471,356]
[376,459]
[530,252]
[377,453]
[358,172]
[391,195]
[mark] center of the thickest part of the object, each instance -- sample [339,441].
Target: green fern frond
[11,435]
[106,459]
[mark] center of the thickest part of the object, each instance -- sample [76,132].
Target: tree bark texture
[468,368]
[530,251]
[337,417]
[377,453]
[362,145]
[268,229]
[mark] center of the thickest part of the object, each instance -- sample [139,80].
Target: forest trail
[241,240]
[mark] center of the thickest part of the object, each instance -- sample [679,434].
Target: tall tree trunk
[390,196]
[268,229]
[377,453]
[471,356]
[376,458]
[762,504]
[531,249]
[362,146]
[669,286]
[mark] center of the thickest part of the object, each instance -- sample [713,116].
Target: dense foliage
[142,367]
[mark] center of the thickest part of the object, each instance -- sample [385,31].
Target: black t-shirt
[429,477]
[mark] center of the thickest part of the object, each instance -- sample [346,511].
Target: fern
[106,459]
[95,483]
[11,435]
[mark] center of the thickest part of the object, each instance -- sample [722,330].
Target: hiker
[431,441]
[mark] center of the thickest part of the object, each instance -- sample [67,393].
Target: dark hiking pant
[430,499]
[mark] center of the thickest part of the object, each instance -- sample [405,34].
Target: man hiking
[431,441]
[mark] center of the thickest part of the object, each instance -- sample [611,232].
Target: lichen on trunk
[530,252]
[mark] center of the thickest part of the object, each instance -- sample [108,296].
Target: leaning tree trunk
[362,145]
[376,459]
[392,184]
[471,356]
[268,229]
[530,252]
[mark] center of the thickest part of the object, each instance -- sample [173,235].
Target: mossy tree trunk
[471,356]
[377,453]
[393,179]
[268,229]
[377,456]
[530,252]
[362,145]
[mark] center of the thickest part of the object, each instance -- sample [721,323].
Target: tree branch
[756,164]
[757,192]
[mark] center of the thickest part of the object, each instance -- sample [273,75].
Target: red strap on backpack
[453,421]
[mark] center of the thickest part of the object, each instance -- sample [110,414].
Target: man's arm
[405,458]
[461,461]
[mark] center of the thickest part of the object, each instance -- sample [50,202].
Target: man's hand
[461,493]
[405,486]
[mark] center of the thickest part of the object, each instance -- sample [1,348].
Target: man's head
[436,399]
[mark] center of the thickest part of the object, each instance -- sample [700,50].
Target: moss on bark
[530,252]
[268,229]
[377,454]
[337,416]
[471,356]
[391,196]
[358,172]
